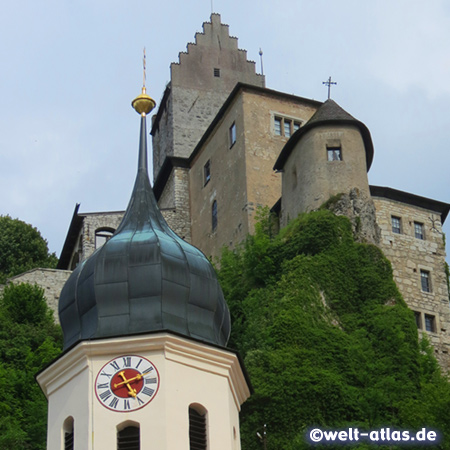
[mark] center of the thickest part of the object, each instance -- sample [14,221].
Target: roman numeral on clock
[105,395]
[103,386]
[148,370]
[114,402]
[148,391]
[150,380]
[127,361]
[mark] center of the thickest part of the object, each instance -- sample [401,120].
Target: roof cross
[329,83]
[144,66]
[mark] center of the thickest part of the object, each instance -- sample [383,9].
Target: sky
[70,69]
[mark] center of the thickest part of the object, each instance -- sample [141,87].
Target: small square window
[232,133]
[206,172]
[418,230]
[430,323]
[277,124]
[418,318]
[334,154]
[425,281]
[216,72]
[296,126]
[396,225]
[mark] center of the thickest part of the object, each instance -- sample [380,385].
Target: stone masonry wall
[174,203]
[51,280]
[409,255]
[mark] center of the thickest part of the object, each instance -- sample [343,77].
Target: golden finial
[143,103]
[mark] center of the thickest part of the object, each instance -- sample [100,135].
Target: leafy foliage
[29,339]
[21,248]
[326,336]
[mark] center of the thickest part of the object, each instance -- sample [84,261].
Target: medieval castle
[224,144]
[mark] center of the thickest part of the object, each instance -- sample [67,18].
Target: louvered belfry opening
[197,430]
[68,440]
[129,439]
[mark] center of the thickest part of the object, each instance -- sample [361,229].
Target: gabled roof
[330,113]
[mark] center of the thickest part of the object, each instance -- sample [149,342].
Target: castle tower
[199,85]
[145,327]
[329,155]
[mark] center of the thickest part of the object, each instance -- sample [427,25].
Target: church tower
[145,328]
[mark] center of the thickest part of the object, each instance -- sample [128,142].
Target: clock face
[127,383]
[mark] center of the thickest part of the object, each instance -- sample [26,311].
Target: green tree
[21,248]
[29,339]
[326,337]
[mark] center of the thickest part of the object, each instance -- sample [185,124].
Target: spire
[145,278]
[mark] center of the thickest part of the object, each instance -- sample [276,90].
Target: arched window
[68,433]
[214,215]
[129,438]
[197,428]
[102,235]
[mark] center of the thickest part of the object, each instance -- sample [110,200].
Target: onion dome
[145,278]
[330,113]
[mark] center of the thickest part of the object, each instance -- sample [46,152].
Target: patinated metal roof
[144,279]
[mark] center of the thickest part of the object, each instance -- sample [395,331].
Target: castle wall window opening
[206,172]
[102,235]
[396,224]
[68,434]
[232,134]
[418,317]
[334,154]
[430,323]
[216,72]
[419,230]
[284,126]
[214,215]
[425,281]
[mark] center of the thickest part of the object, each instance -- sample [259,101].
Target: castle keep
[224,144]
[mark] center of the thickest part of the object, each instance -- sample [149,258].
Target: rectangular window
[425,281]
[418,230]
[334,154]
[216,72]
[287,128]
[418,318]
[430,323]
[232,133]
[283,126]
[277,124]
[396,225]
[206,172]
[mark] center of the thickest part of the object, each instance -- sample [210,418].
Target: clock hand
[125,381]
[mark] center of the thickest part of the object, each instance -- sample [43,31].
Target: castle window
[283,126]
[102,235]
[418,318]
[425,281]
[216,72]
[396,224]
[129,439]
[68,434]
[277,124]
[418,230]
[334,154]
[206,172]
[214,215]
[232,134]
[287,127]
[430,323]
[197,430]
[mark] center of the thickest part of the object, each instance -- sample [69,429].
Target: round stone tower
[329,155]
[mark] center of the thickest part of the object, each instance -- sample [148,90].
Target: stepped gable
[144,279]
[329,114]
